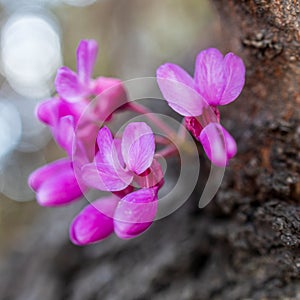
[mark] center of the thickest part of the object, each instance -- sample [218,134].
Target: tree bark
[245,244]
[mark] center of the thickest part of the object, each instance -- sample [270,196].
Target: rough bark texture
[245,245]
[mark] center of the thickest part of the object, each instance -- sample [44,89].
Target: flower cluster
[217,81]
[56,183]
[118,164]
[126,165]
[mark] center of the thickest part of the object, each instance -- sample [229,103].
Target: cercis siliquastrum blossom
[73,120]
[118,163]
[217,81]
[126,164]
[56,183]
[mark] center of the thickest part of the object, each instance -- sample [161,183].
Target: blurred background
[39,36]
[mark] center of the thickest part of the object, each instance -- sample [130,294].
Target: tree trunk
[245,244]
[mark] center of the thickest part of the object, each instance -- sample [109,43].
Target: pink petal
[80,154]
[138,147]
[39,176]
[231,147]
[94,223]
[68,86]
[212,139]
[65,133]
[105,143]
[75,110]
[47,111]
[209,75]
[105,177]
[117,148]
[135,213]
[178,88]
[234,73]
[109,150]
[51,110]
[90,176]
[59,189]
[87,52]
[86,132]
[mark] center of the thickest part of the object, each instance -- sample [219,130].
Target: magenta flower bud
[40,175]
[55,184]
[47,111]
[135,213]
[94,223]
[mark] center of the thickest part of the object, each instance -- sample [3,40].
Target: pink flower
[79,87]
[55,183]
[73,121]
[67,120]
[128,217]
[71,86]
[73,106]
[117,164]
[135,213]
[68,123]
[62,117]
[217,81]
[119,161]
[94,223]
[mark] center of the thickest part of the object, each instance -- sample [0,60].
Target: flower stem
[161,140]
[167,152]
[141,109]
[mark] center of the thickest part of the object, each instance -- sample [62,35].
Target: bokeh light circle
[30,53]
[79,3]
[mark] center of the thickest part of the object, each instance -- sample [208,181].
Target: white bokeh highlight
[30,53]
[79,2]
